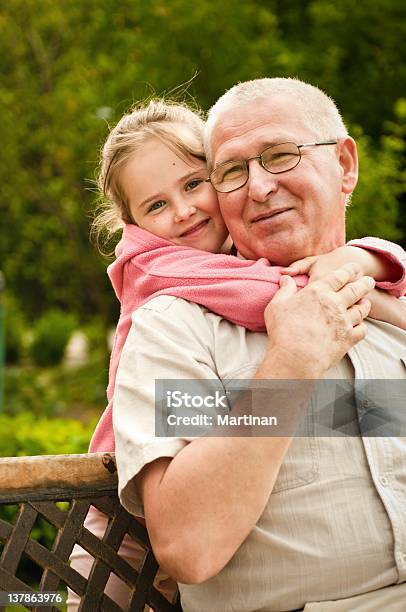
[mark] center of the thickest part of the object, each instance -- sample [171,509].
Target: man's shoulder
[167,313]
[174,327]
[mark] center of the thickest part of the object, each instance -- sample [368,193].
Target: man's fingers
[355,291]
[342,276]
[359,332]
[287,289]
[359,312]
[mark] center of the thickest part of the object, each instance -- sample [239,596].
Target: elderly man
[271,523]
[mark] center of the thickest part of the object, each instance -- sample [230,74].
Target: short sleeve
[169,339]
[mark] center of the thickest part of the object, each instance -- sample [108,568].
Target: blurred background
[69,70]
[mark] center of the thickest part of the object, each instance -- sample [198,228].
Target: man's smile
[270,214]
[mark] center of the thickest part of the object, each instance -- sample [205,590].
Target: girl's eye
[156,206]
[193,184]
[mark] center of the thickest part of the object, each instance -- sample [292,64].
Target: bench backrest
[31,489]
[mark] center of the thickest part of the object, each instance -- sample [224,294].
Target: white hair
[320,112]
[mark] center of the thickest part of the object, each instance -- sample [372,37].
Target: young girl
[153,174]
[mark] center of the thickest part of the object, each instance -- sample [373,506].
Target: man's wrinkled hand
[316,327]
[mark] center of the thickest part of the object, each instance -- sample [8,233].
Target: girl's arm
[394,255]
[215,280]
[383,260]
[385,307]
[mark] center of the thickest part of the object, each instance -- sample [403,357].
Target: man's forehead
[241,130]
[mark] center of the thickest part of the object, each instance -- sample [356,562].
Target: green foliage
[51,334]
[96,335]
[26,434]
[79,391]
[68,69]
[381,185]
[15,326]
[354,51]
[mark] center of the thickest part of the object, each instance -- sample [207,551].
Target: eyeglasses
[276,159]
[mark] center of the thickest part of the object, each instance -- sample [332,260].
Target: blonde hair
[319,110]
[158,118]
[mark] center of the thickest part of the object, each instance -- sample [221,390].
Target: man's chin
[281,250]
[277,257]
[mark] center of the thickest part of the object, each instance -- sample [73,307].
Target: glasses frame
[259,157]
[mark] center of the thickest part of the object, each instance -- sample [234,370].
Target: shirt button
[384,481]
[363,407]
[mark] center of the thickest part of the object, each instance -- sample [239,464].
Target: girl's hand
[388,308]
[317,266]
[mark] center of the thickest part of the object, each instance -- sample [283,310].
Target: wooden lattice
[35,485]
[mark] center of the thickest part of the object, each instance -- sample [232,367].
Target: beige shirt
[335,524]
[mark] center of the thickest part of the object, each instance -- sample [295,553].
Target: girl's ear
[348,160]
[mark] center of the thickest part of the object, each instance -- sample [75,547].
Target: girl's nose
[183,211]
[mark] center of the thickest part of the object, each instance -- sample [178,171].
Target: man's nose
[183,210]
[261,183]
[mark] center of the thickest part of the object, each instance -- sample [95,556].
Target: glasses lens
[281,157]
[229,176]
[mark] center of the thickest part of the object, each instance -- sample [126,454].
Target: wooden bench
[34,486]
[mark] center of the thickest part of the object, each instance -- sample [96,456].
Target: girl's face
[168,196]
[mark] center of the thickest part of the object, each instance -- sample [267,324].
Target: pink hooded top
[237,289]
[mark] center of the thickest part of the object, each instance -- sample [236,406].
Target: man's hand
[313,329]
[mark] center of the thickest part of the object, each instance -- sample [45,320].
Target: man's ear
[348,160]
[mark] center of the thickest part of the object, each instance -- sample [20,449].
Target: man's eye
[193,184]
[156,206]
[282,155]
[231,173]
[279,158]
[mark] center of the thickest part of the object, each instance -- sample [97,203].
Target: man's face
[283,217]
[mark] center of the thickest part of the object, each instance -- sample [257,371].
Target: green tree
[376,201]
[70,69]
